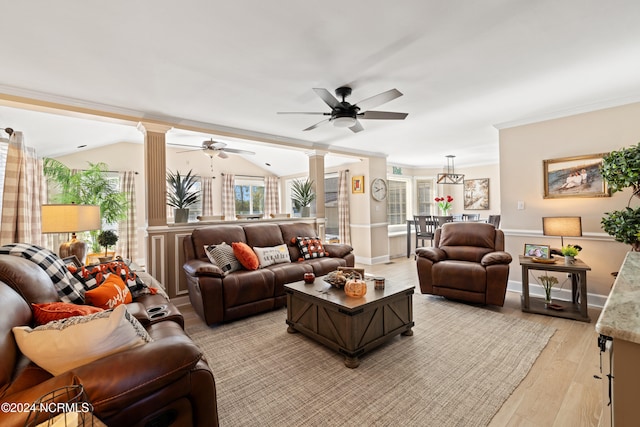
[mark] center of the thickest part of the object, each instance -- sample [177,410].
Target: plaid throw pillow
[93,276]
[310,247]
[222,256]
[69,288]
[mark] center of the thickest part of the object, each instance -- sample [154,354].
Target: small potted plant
[570,252]
[181,194]
[302,195]
[106,239]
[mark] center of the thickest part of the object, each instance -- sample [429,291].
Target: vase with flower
[547,283]
[444,203]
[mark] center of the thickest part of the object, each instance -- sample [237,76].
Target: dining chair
[425,227]
[494,220]
[441,220]
[470,217]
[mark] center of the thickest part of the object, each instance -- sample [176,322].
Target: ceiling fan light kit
[346,115]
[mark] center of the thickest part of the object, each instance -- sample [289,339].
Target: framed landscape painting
[578,176]
[476,194]
[538,251]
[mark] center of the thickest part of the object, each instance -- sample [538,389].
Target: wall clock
[379,189]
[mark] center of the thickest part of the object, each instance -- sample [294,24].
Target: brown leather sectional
[161,383]
[218,298]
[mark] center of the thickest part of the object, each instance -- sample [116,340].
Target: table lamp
[563,226]
[71,219]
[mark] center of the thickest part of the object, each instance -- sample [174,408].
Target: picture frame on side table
[577,176]
[476,194]
[357,184]
[537,251]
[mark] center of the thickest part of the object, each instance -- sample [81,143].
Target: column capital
[312,153]
[145,127]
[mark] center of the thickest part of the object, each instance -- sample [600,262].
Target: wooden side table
[576,308]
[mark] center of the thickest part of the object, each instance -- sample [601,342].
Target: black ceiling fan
[344,114]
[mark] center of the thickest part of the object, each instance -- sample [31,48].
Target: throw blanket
[69,288]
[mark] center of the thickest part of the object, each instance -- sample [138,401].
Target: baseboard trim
[593,300]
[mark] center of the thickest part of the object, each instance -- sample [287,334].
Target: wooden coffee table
[351,326]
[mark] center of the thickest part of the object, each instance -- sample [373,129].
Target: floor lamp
[563,226]
[71,219]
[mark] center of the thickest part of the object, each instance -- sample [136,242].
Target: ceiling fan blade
[379,99]
[236,151]
[189,151]
[382,115]
[316,125]
[357,127]
[299,112]
[327,97]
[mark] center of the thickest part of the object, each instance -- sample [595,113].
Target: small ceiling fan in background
[214,148]
[344,114]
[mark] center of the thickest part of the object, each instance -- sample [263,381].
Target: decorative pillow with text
[273,255]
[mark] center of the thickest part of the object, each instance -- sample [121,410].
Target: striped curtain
[344,230]
[23,194]
[271,196]
[127,245]
[228,196]
[207,196]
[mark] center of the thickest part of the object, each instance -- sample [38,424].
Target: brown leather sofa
[467,263]
[218,298]
[165,382]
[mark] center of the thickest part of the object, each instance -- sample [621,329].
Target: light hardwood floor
[560,390]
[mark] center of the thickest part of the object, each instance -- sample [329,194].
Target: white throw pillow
[274,255]
[68,343]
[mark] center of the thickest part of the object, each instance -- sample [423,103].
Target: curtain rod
[248,176]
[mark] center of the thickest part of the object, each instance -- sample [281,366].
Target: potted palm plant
[302,195]
[181,194]
[91,186]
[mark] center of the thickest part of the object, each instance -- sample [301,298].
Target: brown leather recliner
[467,263]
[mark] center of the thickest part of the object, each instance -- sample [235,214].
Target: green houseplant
[621,169]
[91,186]
[181,194]
[106,239]
[302,195]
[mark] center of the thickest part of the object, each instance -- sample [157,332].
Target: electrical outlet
[520,205]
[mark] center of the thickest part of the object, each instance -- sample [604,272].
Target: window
[331,206]
[397,201]
[424,190]
[4,146]
[249,196]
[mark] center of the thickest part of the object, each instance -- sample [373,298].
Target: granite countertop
[620,317]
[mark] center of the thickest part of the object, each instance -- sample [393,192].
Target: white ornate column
[316,173]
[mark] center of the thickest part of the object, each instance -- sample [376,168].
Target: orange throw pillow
[245,255]
[111,293]
[47,312]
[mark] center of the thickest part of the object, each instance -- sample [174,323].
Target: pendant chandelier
[450,176]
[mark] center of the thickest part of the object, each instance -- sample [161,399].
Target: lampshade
[563,226]
[70,218]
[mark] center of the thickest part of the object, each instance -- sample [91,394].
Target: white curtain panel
[207,196]
[344,230]
[127,245]
[23,194]
[271,196]
[228,197]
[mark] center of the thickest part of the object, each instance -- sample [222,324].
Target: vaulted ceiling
[228,67]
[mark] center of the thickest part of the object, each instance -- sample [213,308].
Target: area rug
[457,369]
